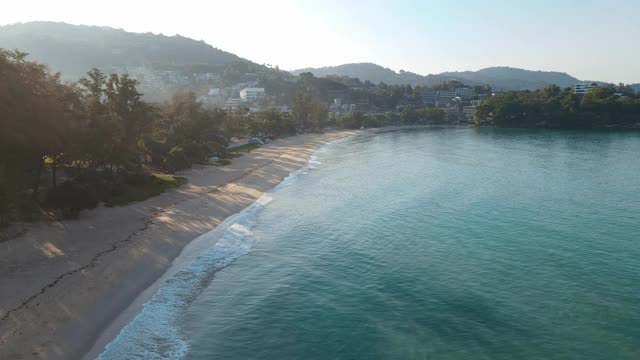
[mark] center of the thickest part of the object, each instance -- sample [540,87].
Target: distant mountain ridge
[372,72]
[500,78]
[517,79]
[75,49]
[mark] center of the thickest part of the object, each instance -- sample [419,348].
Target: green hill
[501,78]
[374,73]
[75,49]
[515,79]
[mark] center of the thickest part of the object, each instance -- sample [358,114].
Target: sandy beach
[63,283]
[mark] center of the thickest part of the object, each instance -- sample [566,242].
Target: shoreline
[191,252]
[70,284]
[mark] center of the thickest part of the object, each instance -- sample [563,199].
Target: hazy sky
[589,39]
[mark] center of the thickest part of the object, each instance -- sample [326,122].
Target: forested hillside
[499,78]
[75,49]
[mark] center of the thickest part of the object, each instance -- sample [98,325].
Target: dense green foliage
[140,187]
[95,140]
[555,108]
[71,197]
[369,97]
[357,120]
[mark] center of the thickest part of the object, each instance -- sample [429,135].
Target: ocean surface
[441,243]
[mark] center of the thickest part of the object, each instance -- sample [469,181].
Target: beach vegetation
[67,146]
[68,199]
[603,107]
[134,191]
[222,162]
[424,116]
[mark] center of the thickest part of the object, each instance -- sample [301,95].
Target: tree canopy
[87,139]
[605,106]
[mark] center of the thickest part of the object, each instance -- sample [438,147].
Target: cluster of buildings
[232,97]
[242,94]
[455,102]
[337,107]
[251,94]
[207,77]
[469,111]
[458,103]
[152,78]
[443,98]
[585,88]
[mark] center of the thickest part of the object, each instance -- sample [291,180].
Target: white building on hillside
[250,94]
[232,104]
[445,95]
[469,112]
[464,92]
[584,87]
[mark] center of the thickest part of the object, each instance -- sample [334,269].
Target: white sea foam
[313,160]
[264,199]
[154,333]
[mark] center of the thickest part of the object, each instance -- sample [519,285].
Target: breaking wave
[154,333]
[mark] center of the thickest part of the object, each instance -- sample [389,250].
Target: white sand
[62,284]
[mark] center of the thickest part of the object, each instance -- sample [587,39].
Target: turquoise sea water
[451,243]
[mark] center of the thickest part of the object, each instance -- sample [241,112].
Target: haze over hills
[513,78]
[374,73]
[75,49]
[498,77]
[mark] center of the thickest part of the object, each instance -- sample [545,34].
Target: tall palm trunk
[36,180]
[54,169]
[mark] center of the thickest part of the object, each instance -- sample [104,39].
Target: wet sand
[62,284]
